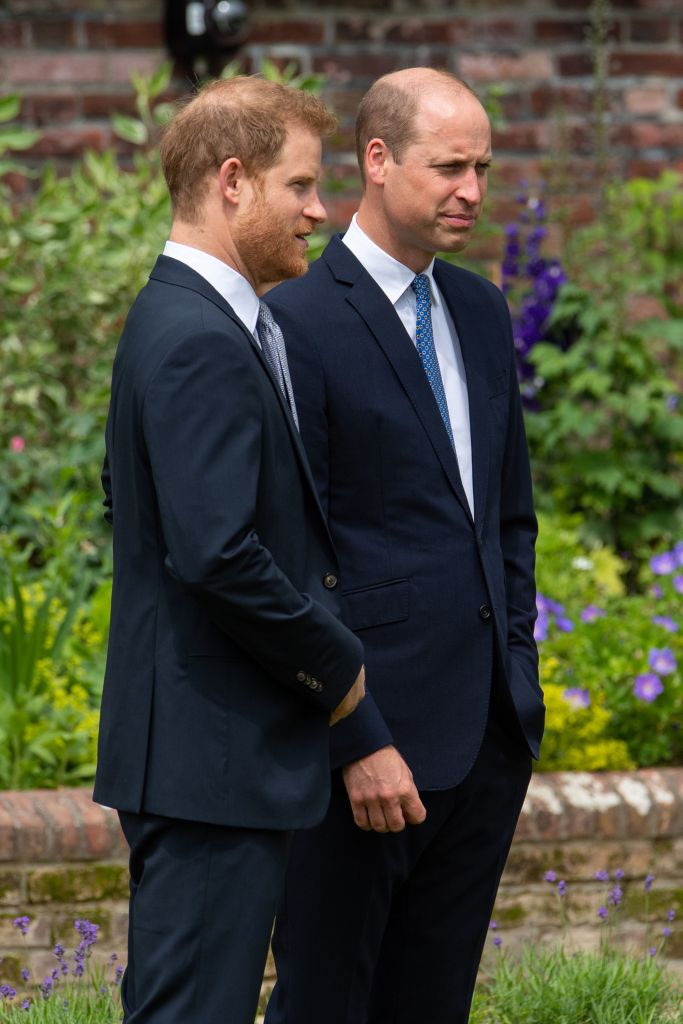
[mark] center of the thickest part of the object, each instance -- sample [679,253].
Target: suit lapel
[174,272]
[374,308]
[468,326]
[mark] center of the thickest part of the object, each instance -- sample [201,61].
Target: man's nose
[315,210]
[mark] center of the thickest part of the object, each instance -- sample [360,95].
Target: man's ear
[377,156]
[231,177]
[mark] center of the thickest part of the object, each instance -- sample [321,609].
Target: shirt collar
[234,288]
[391,276]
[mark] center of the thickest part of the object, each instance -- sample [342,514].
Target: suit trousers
[389,928]
[202,903]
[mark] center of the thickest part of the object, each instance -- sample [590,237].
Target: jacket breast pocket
[376,605]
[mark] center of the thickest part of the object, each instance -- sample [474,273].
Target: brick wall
[62,858]
[72,62]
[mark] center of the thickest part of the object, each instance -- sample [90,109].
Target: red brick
[345,102]
[651,31]
[522,136]
[121,66]
[8,837]
[129,34]
[646,101]
[560,31]
[63,824]
[679,99]
[53,33]
[513,105]
[272,31]
[106,104]
[641,167]
[347,66]
[490,30]
[571,64]
[33,840]
[102,833]
[646,63]
[649,135]
[546,99]
[42,68]
[535,64]
[13,33]
[71,142]
[46,109]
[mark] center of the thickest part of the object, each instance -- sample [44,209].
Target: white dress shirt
[234,288]
[395,280]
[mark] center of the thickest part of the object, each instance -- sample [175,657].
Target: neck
[374,224]
[199,236]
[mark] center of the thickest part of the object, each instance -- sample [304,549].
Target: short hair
[244,117]
[388,112]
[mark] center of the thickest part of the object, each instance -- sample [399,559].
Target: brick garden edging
[63,857]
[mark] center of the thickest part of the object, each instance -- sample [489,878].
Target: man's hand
[352,698]
[382,792]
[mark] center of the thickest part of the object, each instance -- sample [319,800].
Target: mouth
[303,239]
[459,220]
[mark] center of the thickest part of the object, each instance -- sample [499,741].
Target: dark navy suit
[225,654]
[445,607]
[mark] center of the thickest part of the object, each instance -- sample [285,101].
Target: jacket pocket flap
[376,605]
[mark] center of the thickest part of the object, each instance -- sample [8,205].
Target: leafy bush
[607,433]
[611,664]
[51,668]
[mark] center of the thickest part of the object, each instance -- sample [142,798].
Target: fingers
[414,811]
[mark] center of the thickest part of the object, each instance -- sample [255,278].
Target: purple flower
[562,887]
[667,933]
[647,687]
[656,590]
[497,941]
[541,627]
[577,698]
[648,882]
[615,897]
[678,552]
[25,973]
[671,915]
[602,875]
[25,1004]
[22,924]
[603,913]
[662,661]
[118,975]
[618,874]
[59,951]
[663,564]
[113,958]
[46,987]
[493,925]
[564,624]
[550,876]
[7,992]
[665,622]
[652,951]
[678,584]
[591,612]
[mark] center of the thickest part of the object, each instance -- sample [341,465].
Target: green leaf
[161,79]
[18,138]
[10,106]
[130,129]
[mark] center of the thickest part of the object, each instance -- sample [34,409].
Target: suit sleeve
[202,423]
[106,487]
[365,730]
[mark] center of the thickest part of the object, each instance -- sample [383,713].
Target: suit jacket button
[330,580]
[301,677]
[485,612]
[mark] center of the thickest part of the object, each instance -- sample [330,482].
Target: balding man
[404,375]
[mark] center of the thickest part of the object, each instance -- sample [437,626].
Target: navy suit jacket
[225,654]
[429,590]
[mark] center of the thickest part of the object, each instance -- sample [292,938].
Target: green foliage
[72,259]
[552,986]
[595,642]
[607,438]
[51,667]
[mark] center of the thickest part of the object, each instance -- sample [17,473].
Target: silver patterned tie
[273,345]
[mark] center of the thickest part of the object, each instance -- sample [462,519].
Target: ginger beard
[268,241]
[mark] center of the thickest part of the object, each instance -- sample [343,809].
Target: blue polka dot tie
[424,340]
